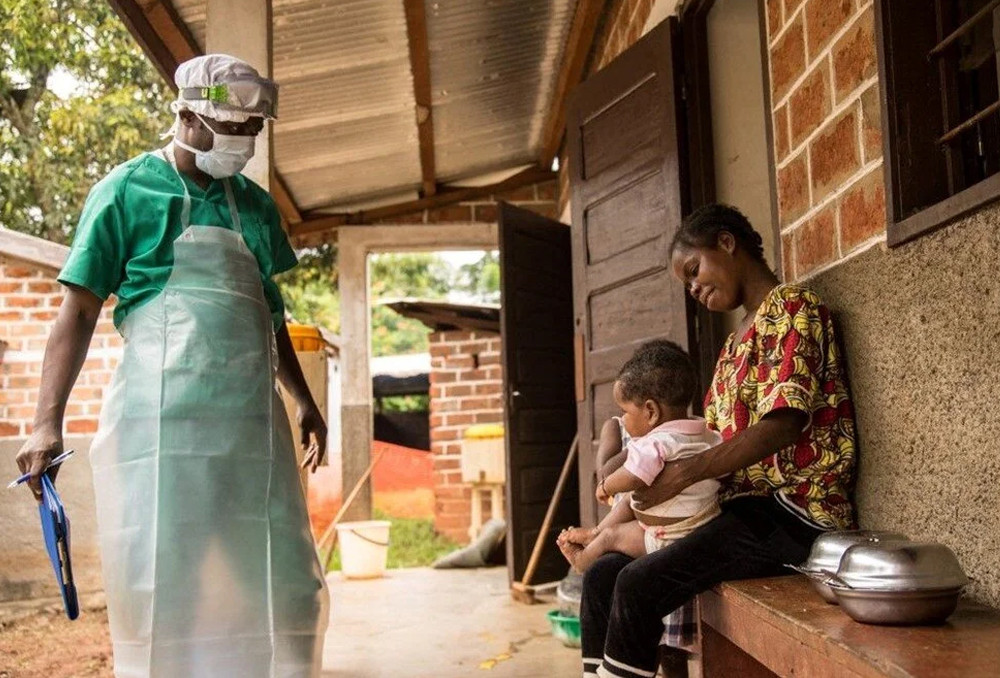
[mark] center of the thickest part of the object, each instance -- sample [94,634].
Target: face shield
[246,96]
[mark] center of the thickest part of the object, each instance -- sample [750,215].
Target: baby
[653,390]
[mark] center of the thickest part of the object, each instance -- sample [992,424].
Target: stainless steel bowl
[897,608]
[829,547]
[827,550]
[901,566]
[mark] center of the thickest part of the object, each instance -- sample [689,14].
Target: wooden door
[626,155]
[536,325]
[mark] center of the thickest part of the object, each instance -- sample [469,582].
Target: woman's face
[638,418]
[710,274]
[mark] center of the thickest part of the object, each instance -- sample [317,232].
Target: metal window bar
[963,29]
[954,132]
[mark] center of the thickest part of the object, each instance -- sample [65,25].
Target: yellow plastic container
[305,337]
[483,454]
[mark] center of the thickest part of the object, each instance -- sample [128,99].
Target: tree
[480,279]
[53,149]
[396,276]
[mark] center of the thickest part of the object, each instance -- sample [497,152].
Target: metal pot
[901,566]
[827,550]
[897,607]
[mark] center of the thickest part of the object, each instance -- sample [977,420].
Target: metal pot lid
[829,547]
[898,565]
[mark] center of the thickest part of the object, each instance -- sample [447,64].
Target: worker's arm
[310,419]
[65,352]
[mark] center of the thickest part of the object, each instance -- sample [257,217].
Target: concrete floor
[419,623]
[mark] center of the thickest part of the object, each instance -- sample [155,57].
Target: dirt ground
[48,645]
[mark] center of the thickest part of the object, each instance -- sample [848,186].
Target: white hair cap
[224,88]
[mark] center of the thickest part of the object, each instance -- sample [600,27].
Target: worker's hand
[41,447]
[313,436]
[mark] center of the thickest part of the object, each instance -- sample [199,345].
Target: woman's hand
[673,479]
[314,432]
[38,450]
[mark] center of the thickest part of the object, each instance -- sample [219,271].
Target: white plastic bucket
[364,547]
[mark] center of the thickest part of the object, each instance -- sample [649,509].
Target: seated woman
[779,399]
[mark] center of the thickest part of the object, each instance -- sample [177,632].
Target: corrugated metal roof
[347,131]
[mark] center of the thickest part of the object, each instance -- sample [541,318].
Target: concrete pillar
[242,28]
[354,245]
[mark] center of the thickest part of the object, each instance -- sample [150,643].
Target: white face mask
[229,154]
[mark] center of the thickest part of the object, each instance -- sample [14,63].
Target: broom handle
[350,499]
[536,553]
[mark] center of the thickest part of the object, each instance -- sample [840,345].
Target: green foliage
[410,403]
[480,279]
[395,276]
[310,289]
[52,150]
[412,543]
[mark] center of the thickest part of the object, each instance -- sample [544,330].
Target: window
[941,110]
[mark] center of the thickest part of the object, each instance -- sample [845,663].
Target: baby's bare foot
[580,535]
[571,552]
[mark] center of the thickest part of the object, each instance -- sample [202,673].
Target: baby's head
[655,385]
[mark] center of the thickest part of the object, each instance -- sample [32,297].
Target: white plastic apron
[209,565]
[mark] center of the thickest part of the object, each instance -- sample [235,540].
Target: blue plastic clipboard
[55,530]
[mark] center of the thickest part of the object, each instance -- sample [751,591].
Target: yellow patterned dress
[789,358]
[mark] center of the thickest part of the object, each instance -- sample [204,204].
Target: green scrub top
[124,241]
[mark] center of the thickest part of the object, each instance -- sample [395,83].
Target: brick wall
[827,131]
[466,389]
[29,301]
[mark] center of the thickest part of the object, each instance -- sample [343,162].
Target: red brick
[489,417]
[439,350]
[82,426]
[12,397]
[99,378]
[854,58]
[774,21]
[459,361]
[489,359]
[442,377]
[486,214]
[44,287]
[450,214]
[871,123]
[459,419]
[793,190]
[31,383]
[810,104]
[787,257]
[22,412]
[823,19]
[42,316]
[453,492]
[18,301]
[11,316]
[457,390]
[9,287]
[29,330]
[781,147]
[444,434]
[491,388]
[20,272]
[835,155]
[478,404]
[444,464]
[788,59]
[9,429]
[816,242]
[472,375]
[862,211]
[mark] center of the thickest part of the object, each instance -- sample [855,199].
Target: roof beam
[166,40]
[420,64]
[575,53]
[317,223]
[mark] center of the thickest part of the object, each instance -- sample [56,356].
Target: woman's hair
[661,371]
[702,227]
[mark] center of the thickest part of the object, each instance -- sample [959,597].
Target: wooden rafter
[577,48]
[317,223]
[420,64]
[167,42]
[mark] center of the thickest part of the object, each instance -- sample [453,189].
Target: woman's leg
[595,607]
[752,538]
